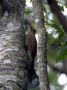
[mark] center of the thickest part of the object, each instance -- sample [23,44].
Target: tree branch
[55,8]
[42,44]
[59,67]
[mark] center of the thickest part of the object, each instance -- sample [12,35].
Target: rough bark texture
[42,44]
[13,57]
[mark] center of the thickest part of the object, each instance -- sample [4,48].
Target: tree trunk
[42,44]
[13,57]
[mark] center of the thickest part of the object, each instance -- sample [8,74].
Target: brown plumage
[31,48]
[31,43]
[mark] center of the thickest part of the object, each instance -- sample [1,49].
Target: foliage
[62,52]
[52,77]
[27,11]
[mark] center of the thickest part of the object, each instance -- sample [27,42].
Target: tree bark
[14,61]
[42,44]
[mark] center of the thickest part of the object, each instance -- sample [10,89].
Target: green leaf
[27,11]
[62,53]
[30,0]
[61,8]
[59,29]
[52,77]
